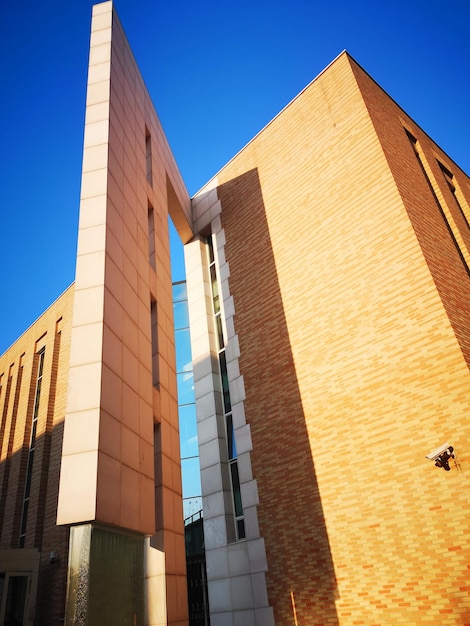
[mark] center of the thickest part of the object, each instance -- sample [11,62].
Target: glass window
[183,351]
[237,498]
[185,388]
[191,477]
[191,506]
[180,313]
[231,447]
[179,292]
[225,387]
[188,431]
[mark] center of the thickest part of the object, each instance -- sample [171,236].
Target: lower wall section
[106,577]
[19,571]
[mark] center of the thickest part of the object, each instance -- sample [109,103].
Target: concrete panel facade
[120,459]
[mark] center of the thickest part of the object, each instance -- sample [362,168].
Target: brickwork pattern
[352,352]
[52,330]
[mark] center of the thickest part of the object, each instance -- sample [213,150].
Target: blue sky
[217,73]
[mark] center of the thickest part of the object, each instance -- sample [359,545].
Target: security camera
[432,456]
[441,456]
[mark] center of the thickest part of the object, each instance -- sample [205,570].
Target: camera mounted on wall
[441,456]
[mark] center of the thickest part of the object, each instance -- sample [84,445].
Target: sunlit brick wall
[352,361]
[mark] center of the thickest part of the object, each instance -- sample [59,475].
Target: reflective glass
[188,430]
[241,528]
[180,313]
[179,291]
[237,497]
[191,477]
[220,333]
[210,245]
[215,290]
[231,447]
[185,388]
[224,376]
[41,362]
[191,506]
[183,351]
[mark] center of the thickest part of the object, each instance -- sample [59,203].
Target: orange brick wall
[352,362]
[41,532]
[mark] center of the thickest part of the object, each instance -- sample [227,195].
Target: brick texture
[51,330]
[351,308]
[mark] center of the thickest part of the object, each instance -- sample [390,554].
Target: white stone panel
[207,430]
[205,407]
[238,561]
[222,619]
[249,493]
[244,618]
[217,563]
[215,532]
[264,617]
[210,453]
[211,479]
[257,555]
[242,594]
[243,439]
[220,598]
[260,593]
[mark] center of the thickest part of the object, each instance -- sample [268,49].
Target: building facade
[33,393]
[328,291]
[336,249]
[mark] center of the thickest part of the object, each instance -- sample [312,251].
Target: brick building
[340,250]
[328,289]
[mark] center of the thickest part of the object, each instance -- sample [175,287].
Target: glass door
[14,592]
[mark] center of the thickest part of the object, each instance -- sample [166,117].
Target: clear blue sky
[217,73]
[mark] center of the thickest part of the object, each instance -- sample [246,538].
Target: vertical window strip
[11,438]
[44,469]
[148,156]
[456,192]
[2,436]
[5,407]
[230,433]
[189,447]
[157,541]
[445,213]
[32,445]
[154,336]
[151,237]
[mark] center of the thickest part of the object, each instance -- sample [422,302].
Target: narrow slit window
[32,446]
[151,237]
[238,514]
[458,196]
[443,210]
[154,334]
[148,156]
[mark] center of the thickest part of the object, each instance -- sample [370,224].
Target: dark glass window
[225,386]
[232,449]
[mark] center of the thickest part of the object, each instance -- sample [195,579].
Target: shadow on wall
[301,579]
[41,565]
[33,577]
